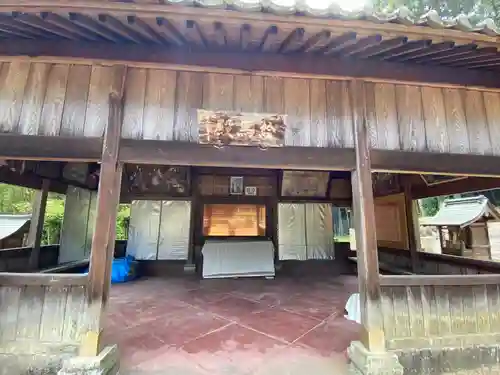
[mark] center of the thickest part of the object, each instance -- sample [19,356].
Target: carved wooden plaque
[241,129]
[304,184]
[171,181]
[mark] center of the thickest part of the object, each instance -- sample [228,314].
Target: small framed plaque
[251,190]
[236,187]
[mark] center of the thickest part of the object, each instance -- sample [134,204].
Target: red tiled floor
[232,350]
[186,326]
[234,308]
[320,339]
[281,324]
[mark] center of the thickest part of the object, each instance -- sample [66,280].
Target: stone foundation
[106,363]
[364,362]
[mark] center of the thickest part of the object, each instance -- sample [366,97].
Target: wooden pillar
[103,239]
[364,224]
[413,244]
[36,224]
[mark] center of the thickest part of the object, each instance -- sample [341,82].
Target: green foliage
[19,200]
[122,221]
[476,10]
[430,206]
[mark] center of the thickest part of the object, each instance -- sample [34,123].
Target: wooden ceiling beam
[8,23]
[361,46]
[294,41]
[285,65]
[63,23]
[316,42]
[468,185]
[93,26]
[417,45]
[144,29]
[37,23]
[445,55]
[477,55]
[184,153]
[384,47]
[120,29]
[194,35]
[430,50]
[272,40]
[435,163]
[165,28]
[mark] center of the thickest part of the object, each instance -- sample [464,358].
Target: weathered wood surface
[364,224]
[42,319]
[438,264]
[428,316]
[71,100]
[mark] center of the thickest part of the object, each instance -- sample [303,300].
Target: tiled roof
[461,212]
[10,224]
[320,9]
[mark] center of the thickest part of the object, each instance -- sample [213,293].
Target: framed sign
[251,190]
[304,184]
[236,185]
[241,129]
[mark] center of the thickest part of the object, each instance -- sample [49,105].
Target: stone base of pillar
[106,363]
[364,362]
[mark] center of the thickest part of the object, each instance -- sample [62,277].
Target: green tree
[475,10]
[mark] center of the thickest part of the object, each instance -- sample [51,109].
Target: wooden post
[410,224]
[36,224]
[103,239]
[364,224]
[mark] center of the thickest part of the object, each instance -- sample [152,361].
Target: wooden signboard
[304,184]
[171,181]
[241,129]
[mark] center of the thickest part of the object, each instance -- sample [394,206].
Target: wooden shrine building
[217,119]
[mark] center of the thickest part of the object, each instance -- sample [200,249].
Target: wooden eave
[393,39]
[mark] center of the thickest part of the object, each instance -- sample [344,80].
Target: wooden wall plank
[9,307]
[456,122]
[159,107]
[339,114]
[218,92]
[492,105]
[410,118]
[435,119]
[75,104]
[371,116]
[96,114]
[53,105]
[387,122]
[318,128]
[297,109]
[189,100]
[274,95]
[34,94]
[249,93]
[103,80]
[54,308]
[30,312]
[403,302]
[479,137]
[13,80]
[75,314]
[133,112]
